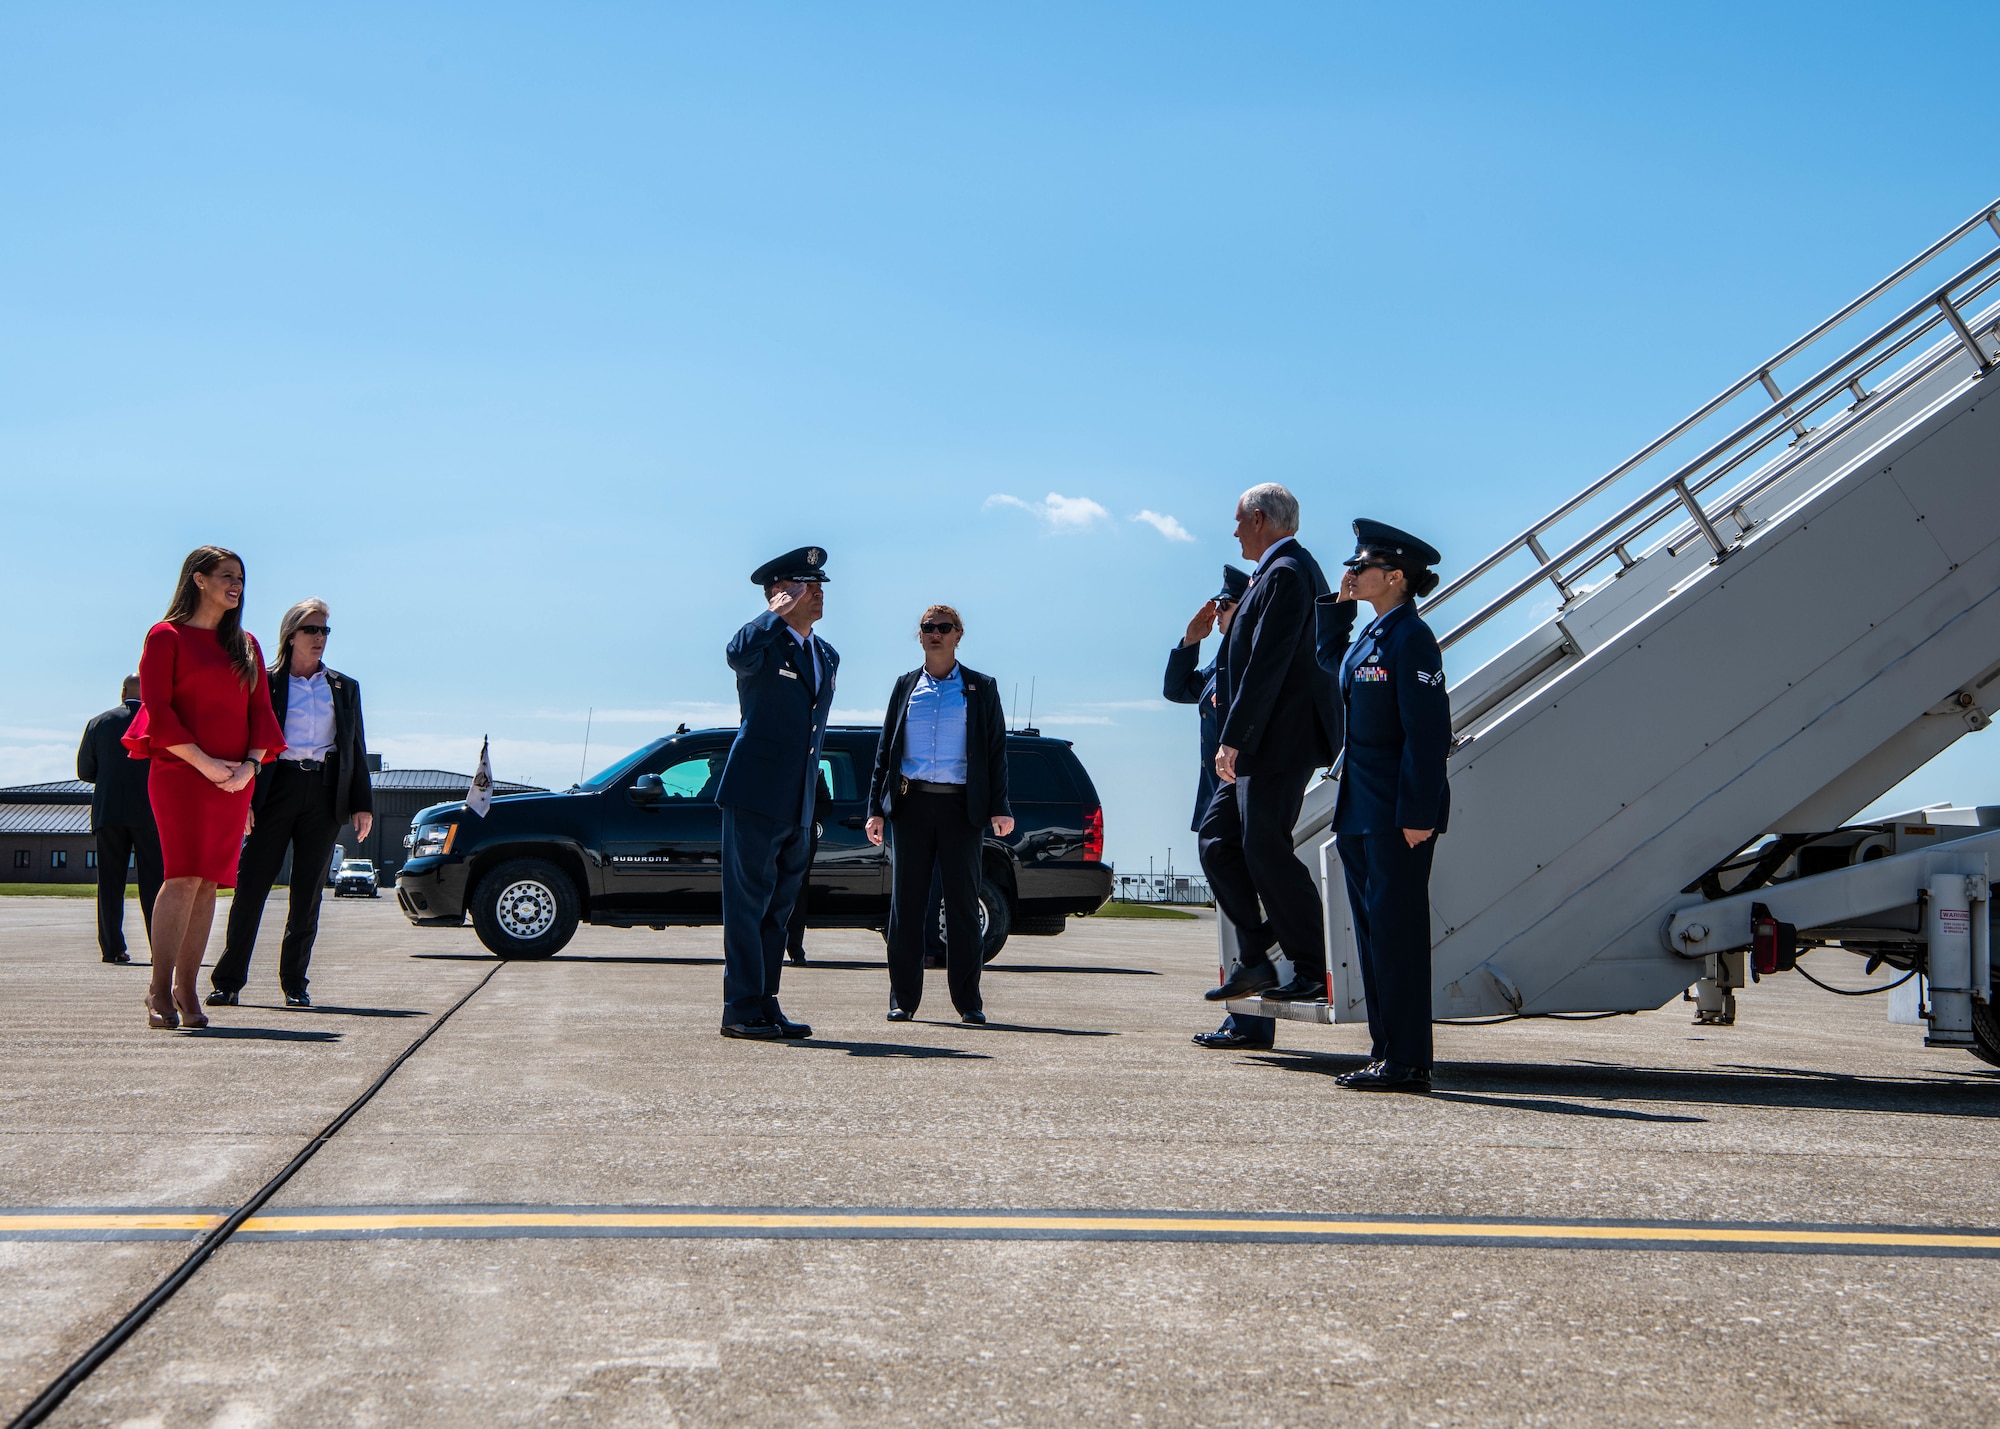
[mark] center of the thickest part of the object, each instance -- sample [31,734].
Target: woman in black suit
[941,780]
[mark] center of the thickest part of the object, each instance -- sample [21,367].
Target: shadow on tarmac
[1049,1031]
[1512,1084]
[259,1034]
[886,1049]
[836,964]
[321,1009]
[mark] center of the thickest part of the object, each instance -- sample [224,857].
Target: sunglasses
[315,630]
[937,627]
[1359,566]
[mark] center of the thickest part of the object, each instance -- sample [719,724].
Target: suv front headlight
[432,839]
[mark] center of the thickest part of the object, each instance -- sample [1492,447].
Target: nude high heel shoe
[165,1021]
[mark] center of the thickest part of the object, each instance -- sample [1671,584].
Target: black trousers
[1246,851]
[764,865]
[931,833]
[1389,889]
[117,846]
[795,934]
[297,814]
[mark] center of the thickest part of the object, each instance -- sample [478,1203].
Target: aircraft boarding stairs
[1758,624]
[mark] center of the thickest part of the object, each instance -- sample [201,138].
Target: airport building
[46,837]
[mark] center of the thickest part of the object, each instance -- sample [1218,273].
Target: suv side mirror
[648,790]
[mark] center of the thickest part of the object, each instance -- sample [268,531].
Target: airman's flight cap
[1234,583]
[1377,544]
[807,563]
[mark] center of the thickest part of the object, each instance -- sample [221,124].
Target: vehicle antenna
[583,763]
[1031,700]
[1014,718]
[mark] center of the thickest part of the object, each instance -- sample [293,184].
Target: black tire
[996,921]
[538,916]
[1042,925]
[1986,1032]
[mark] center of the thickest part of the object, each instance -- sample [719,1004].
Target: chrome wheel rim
[526,910]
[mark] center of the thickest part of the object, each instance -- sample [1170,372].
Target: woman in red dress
[205,721]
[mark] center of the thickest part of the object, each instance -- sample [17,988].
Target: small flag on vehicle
[479,798]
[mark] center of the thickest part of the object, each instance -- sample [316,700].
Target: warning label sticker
[1955,922]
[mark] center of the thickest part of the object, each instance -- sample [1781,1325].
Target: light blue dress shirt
[934,729]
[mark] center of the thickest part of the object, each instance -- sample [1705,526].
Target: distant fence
[1161,888]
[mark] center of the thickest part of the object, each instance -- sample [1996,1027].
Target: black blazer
[118,796]
[352,792]
[1187,685]
[985,749]
[1281,710]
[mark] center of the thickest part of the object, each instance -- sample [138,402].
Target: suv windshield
[357,865]
[610,774]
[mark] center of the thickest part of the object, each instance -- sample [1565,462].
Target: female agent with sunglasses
[303,797]
[1393,796]
[940,781]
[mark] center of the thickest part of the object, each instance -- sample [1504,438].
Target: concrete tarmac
[597,1079]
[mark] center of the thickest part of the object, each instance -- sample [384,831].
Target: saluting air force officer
[1393,796]
[1190,683]
[784,686]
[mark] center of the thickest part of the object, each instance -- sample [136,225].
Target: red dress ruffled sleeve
[156,726]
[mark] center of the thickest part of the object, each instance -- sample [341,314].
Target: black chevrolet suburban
[639,846]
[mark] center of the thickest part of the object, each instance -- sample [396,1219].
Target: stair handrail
[1783,404]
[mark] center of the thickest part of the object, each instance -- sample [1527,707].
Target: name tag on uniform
[1372,675]
[788,674]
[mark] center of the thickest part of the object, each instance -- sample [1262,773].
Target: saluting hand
[787,595]
[1346,588]
[1203,622]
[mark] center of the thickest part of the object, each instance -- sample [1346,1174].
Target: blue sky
[522,334]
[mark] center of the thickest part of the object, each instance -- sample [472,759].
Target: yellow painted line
[161,1221]
[721,1220]
[333,1222]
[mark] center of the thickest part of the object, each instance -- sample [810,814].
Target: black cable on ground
[1527,1017]
[46,1402]
[1799,968]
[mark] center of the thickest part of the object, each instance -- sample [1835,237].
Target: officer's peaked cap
[1234,583]
[807,563]
[1385,545]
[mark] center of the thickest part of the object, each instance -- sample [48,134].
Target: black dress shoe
[1346,1079]
[219,998]
[298,999]
[797,955]
[794,1031]
[753,1031]
[1389,1077]
[117,957]
[896,1014]
[1229,1041]
[977,1019]
[1249,980]
[933,963]
[1299,989]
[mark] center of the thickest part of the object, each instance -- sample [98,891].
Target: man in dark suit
[941,779]
[1188,685]
[121,815]
[1281,721]
[784,687]
[302,798]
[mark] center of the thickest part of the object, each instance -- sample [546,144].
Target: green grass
[1118,909]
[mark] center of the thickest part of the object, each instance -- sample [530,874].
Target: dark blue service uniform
[767,797]
[1188,685]
[1398,735]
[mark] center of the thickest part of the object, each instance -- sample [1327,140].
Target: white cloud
[1060,515]
[1165,525]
